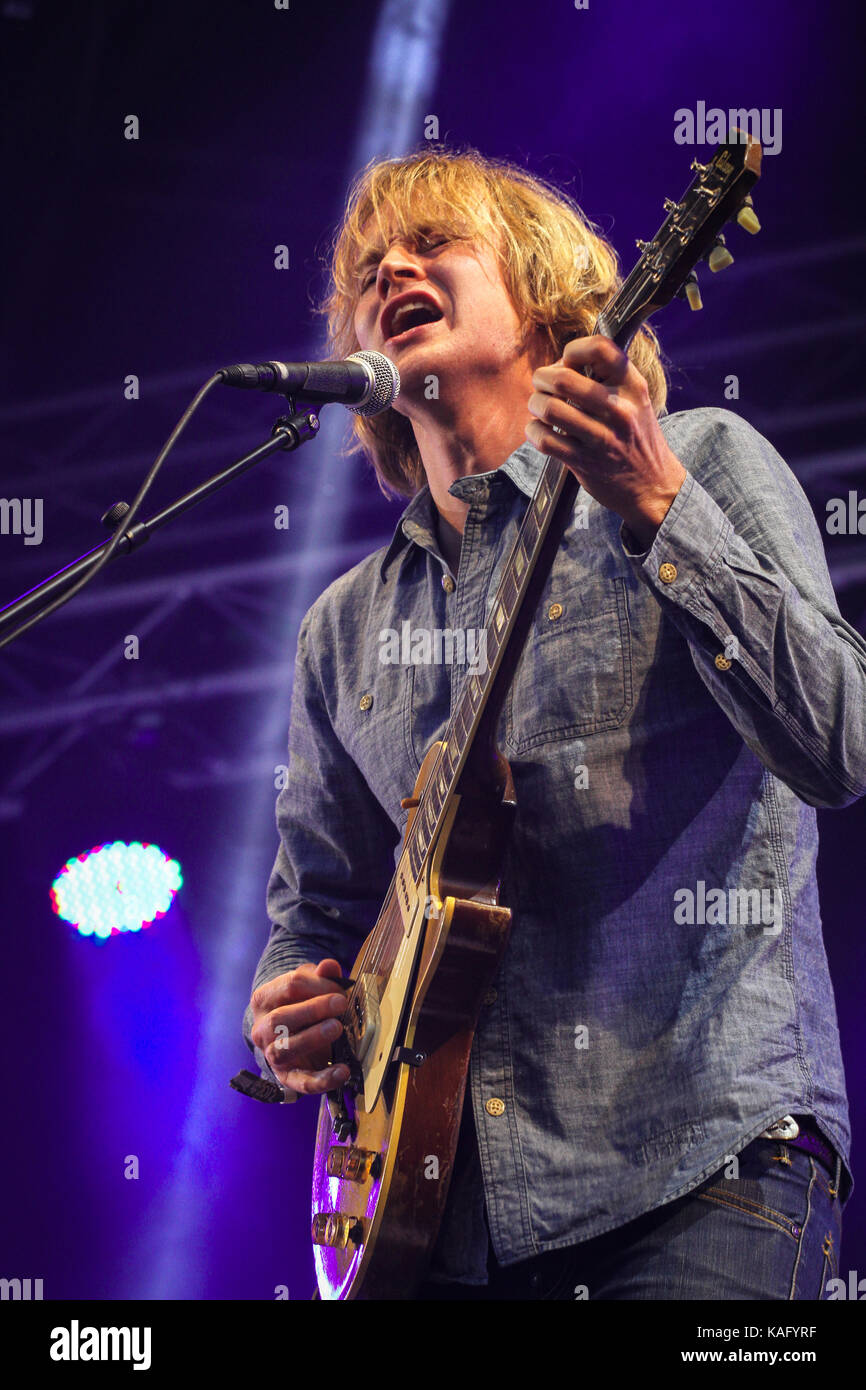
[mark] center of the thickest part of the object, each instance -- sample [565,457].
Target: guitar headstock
[692,230]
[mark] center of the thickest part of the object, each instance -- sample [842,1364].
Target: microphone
[365,382]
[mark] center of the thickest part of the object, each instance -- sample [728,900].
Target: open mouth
[411,315]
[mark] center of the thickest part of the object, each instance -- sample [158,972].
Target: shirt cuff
[687,545]
[264,1069]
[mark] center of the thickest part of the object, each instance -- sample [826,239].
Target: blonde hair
[558,269]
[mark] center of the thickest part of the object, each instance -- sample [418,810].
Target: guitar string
[390,925]
[390,921]
[627,295]
[381,941]
[377,948]
[380,947]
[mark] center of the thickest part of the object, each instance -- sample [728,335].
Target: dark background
[155,257]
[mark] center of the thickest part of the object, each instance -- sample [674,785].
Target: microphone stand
[289,433]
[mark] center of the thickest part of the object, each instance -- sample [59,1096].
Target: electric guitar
[418,982]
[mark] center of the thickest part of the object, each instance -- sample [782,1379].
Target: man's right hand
[295,1022]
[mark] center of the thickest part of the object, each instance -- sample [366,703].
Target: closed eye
[424,244]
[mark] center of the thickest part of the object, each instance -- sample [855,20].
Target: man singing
[656,1102]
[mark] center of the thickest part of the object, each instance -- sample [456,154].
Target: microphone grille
[386,383]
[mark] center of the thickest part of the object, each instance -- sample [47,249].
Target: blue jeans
[771,1232]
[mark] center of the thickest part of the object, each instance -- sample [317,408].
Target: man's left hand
[612,441]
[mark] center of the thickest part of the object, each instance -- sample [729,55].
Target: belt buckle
[784,1129]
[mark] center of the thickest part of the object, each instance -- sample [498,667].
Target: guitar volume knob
[356,1165]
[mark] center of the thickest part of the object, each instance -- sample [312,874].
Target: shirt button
[554,612]
[722,663]
[667,573]
[366,702]
[495,1106]
[448,584]
[490,997]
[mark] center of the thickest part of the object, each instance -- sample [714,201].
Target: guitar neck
[471,735]
[517,598]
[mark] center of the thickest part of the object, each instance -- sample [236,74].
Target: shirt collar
[522,469]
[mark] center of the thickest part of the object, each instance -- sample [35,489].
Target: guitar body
[379,1193]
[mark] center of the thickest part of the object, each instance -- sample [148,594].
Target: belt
[802,1134]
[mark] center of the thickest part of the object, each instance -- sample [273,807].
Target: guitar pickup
[366,1015]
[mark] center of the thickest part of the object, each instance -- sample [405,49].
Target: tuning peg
[719,257]
[691,291]
[641,245]
[747,217]
[669,204]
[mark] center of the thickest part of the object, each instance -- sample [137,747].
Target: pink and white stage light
[116,888]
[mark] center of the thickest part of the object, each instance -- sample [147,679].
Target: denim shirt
[676,716]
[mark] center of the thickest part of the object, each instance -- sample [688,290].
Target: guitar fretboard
[553,485]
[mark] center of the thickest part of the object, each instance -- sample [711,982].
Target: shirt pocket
[370,723]
[575,675]
[429,695]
